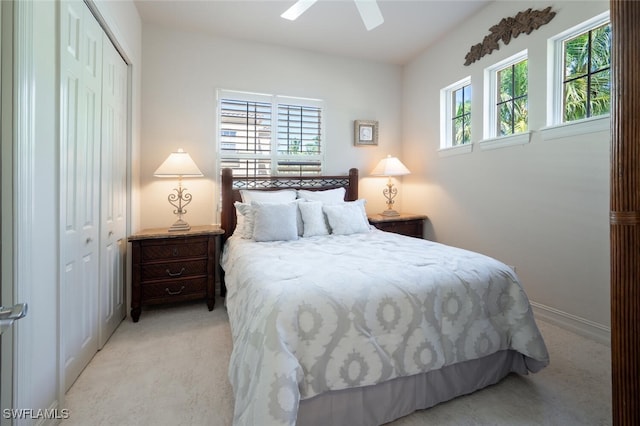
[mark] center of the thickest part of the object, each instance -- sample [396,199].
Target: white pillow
[327,196]
[313,220]
[274,221]
[244,220]
[346,218]
[299,223]
[361,202]
[279,196]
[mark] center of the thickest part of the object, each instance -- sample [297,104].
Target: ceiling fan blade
[370,13]
[297,9]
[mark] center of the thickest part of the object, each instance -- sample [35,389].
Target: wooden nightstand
[411,225]
[172,267]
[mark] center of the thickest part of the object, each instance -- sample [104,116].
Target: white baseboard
[584,327]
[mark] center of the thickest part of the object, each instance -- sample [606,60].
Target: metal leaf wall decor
[524,22]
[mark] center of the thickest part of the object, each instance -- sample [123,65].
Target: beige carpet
[171,369]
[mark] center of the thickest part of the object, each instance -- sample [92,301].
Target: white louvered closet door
[81,86]
[113,241]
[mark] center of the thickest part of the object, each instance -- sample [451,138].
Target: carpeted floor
[171,369]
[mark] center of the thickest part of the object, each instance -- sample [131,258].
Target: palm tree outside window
[587,74]
[512,99]
[461,120]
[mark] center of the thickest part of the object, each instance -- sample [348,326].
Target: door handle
[10,314]
[15,313]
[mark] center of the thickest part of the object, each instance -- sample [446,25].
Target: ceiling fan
[369,11]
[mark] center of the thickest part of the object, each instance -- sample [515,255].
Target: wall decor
[524,22]
[365,132]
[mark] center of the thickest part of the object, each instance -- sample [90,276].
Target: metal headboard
[231,187]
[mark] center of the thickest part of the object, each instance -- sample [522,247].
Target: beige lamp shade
[178,164]
[390,166]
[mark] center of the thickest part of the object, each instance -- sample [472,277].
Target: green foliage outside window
[462,116]
[513,114]
[296,147]
[587,82]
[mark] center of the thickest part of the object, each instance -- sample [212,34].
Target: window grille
[511,103]
[587,77]
[461,116]
[455,114]
[579,87]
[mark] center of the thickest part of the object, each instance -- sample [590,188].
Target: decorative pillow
[346,218]
[360,202]
[279,196]
[313,220]
[328,196]
[244,220]
[274,221]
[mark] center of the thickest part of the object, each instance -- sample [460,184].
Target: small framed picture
[365,132]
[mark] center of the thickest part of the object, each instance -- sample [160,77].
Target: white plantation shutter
[245,135]
[299,137]
[262,135]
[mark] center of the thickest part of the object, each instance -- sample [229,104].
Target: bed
[346,325]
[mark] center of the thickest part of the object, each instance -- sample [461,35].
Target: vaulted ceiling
[328,26]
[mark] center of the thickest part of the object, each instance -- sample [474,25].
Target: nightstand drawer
[175,289]
[171,270]
[411,225]
[161,250]
[412,228]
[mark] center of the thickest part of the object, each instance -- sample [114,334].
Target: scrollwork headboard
[231,187]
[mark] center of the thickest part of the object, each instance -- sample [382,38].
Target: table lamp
[179,164]
[390,166]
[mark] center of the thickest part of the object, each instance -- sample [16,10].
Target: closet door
[80,97]
[113,191]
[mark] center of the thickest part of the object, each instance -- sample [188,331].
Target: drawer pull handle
[175,274]
[173,293]
[175,251]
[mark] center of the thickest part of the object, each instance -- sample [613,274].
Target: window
[587,82]
[455,114]
[582,72]
[507,97]
[264,135]
[299,139]
[511,106]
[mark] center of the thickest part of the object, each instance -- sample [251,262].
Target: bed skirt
[388,401]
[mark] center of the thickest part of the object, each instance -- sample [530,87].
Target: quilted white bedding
[331,312]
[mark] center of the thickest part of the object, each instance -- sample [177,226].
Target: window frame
[490,127]
[274,157]
[446,117]
[555,88]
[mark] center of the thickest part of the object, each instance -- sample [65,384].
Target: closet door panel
[113,191]
[81,87]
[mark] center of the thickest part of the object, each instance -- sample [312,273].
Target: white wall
[181,74]
[542,207]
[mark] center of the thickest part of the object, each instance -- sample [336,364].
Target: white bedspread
[331,312]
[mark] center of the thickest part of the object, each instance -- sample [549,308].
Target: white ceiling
[329,26]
